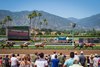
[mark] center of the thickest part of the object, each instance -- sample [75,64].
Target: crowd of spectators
[53,60]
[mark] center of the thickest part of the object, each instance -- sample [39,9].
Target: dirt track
[31,51]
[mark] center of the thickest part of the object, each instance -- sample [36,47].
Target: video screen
[18,33]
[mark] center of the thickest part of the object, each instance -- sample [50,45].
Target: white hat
[96,54]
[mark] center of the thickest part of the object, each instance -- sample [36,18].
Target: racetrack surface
[46,51]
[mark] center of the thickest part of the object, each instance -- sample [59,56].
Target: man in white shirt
[76,57]
[95,61]
[53,56]
[41,62]
[14,61]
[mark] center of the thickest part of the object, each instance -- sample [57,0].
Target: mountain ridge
[54,21]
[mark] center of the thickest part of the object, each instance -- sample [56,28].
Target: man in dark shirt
[6,61]
[82,59]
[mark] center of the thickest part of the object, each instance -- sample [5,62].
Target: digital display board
[18,33]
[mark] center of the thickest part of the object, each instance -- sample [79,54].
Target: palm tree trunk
[30,24]
[34,23]
[6,29]
[30,27]
[38,20]
[40,27]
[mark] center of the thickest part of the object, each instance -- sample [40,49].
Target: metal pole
[72,36]
[73,26]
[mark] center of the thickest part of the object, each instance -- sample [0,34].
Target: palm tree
[40,28]
[2,28]
[30,17]
[73,25]
[6,21]
[34,15]
[39,15]
[45,22]
[1,23]
[40,24]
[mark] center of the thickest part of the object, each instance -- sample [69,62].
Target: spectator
[10,56]
[49,60]
[7,61]
[70,61]
[76,64]
[25,62]
[35,57]
[19,59]
[0,61]
[55,62]
[76,57]
[99,61]
[91,60]
[61,60]
[82,59]
[95,61]
[28,57]
[88,61]
[53,56]
[64,58]
[3,61]
[41,62]
[14,61]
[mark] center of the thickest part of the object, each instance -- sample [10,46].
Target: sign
[18,33]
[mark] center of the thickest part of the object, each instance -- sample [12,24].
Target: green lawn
[52,46]
[56,47]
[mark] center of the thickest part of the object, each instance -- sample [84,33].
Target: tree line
[7,21]
[36,16]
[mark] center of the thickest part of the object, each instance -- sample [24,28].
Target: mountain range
[54,22]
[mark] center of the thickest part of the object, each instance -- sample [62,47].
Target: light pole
[73,26]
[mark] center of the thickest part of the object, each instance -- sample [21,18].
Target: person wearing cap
[82,59]
[95,60]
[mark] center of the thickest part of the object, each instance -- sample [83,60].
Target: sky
[64,8]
